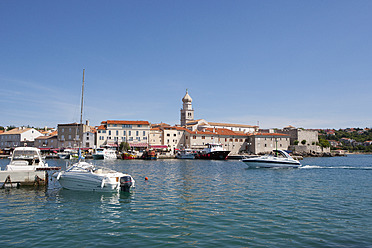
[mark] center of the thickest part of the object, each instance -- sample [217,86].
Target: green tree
[124,146]
[303,142]
[296,142]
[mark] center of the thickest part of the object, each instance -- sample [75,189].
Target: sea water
[198,203]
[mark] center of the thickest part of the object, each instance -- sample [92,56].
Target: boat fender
[59,176]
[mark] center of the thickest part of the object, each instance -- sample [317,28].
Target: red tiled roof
[102,127]
[126,122]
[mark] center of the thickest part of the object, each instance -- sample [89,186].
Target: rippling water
[185,203]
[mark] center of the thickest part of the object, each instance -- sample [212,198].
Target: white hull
[86,182]
[84,176]
[271,165]
[281,160]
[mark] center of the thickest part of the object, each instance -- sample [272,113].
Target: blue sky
[277,63]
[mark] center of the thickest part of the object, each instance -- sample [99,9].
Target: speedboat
[279,159]
[84,176]
[213,151]
[103,153]
[186,154]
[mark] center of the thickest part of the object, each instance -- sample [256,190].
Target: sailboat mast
[82,100]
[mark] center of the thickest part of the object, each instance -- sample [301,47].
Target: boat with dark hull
[213,151]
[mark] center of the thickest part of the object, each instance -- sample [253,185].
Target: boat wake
[335,167]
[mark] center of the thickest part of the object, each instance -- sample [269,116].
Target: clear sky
[301,63]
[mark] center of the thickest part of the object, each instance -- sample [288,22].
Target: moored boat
[83,176]
[213,151]
[186,154]
[279,159]
[129,155]
[26,167]
[103,153]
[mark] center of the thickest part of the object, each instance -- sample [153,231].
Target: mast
[82,100]
[81,118]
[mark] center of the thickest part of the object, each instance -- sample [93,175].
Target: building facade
[263,143]
[70,135]
[17,137]
[114,132]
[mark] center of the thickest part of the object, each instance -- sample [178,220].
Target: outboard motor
[126,183]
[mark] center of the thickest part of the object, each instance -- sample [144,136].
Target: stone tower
[187,113]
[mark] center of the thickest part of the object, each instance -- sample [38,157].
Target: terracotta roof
[102,127]
[229,124]
[126,122]
[17,131]
[54,133]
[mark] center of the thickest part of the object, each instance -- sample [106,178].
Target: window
[203,137]
[174,135]
[124,132]
[117,133]
[168,134]
[194,137]
[137,133]
[129,133]
[114,125]
[144,133]
[63,130]
[139,125]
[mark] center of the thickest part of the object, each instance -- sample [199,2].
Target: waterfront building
[17,137]
[303,141]
[113,132]
[262,143]
[47,142]
[69,135]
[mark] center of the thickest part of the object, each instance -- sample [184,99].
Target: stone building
[303,141]
[70,135]
[262,143]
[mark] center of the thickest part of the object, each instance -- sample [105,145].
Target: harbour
[200,203]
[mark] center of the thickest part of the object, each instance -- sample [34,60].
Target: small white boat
[83,176]
[279,159]
[26,167]
[26,158]
[67,154]
[186,154]
[103,153]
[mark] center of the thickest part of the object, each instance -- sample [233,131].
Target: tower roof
[187,97]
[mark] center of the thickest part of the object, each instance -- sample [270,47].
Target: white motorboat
[85,176]
[67,154]
[186,154]
[26,167]
[103,153]
[26,158]
[279,159]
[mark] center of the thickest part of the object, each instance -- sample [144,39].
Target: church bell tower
[187,113]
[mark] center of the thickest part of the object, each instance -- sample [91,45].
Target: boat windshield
[24,154]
